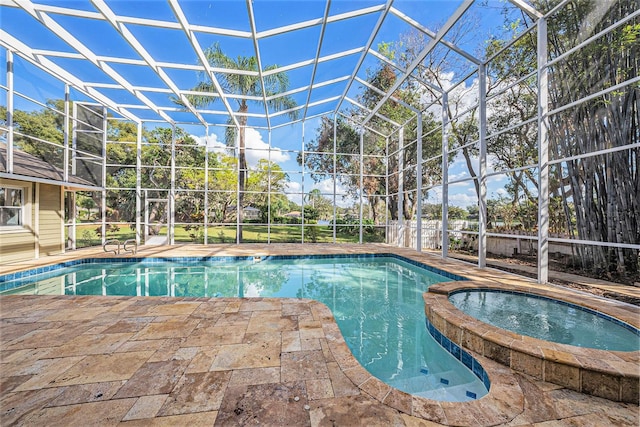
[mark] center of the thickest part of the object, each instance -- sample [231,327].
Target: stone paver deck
[86,360]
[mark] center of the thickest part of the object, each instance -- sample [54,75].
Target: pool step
[421,381]
[445,385]
[459,392]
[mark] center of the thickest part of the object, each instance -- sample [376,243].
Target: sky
[170,45]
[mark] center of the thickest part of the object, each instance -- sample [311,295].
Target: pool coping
[613,375]
[503,402]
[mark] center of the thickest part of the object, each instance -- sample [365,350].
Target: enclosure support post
[419,185]
[400,187]
[446,127]
[65,133]
[64,228]
[146,214]
[36,220]
[172,192]
[361,185]
[74,140]
[302,185]
[482,184]
[205,216]
[72,219]
[103,196]
[139,184]
[543,154]
[238,207]
[9,166]
[386,191]
[269,191]
[335,210]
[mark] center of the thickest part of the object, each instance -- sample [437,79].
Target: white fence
[463,235]
[405,233]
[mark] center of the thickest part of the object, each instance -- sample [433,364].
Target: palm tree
[313,196]
[247,85]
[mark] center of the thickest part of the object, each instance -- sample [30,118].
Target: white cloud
[462,200]
[211,142]
[457,176]
[258,149]
[461,97]
[293,187]
[292,190]
[326,188]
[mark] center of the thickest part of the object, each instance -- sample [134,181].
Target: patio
[227,361]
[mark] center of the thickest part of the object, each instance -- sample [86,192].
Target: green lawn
[87,234]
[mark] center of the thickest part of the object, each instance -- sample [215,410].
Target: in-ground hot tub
[547,319]
[612,374]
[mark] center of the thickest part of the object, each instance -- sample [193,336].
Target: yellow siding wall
[21,244]
[18,245]
[51,220]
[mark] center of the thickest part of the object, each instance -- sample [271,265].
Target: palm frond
[278,83]
[230,134]
[275,83]
[199,101]
[240,84]
[285,103]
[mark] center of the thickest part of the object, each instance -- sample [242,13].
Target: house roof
[30,168]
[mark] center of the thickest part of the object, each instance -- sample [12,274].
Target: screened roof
[146,60]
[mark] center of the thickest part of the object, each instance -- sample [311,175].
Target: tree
[87,203]
[437,69]
[156,171]
[515,151]
[313,196]
[600,195]
[347,143]
[266,180]
[46,124]
[383,78]
[245,85]
[456,212]
[322,205]
[40,133]
[223,197]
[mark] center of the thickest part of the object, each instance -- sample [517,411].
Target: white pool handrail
[111,242]
[128,242]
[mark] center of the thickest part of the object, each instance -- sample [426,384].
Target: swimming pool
[547,319]
[376,301]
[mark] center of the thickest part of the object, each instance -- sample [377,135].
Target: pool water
[377,303]
[547,319]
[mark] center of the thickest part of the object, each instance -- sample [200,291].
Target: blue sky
[172,46]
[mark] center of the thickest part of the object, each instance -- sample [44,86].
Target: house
[32,207]
[251,213]
[293,214]
[248,213]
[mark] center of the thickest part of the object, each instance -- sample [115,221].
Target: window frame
[24,217]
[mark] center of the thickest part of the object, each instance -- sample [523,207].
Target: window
[11,206]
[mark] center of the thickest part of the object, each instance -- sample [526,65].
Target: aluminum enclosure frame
[334,106]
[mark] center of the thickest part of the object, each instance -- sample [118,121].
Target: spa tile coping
[613,375]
